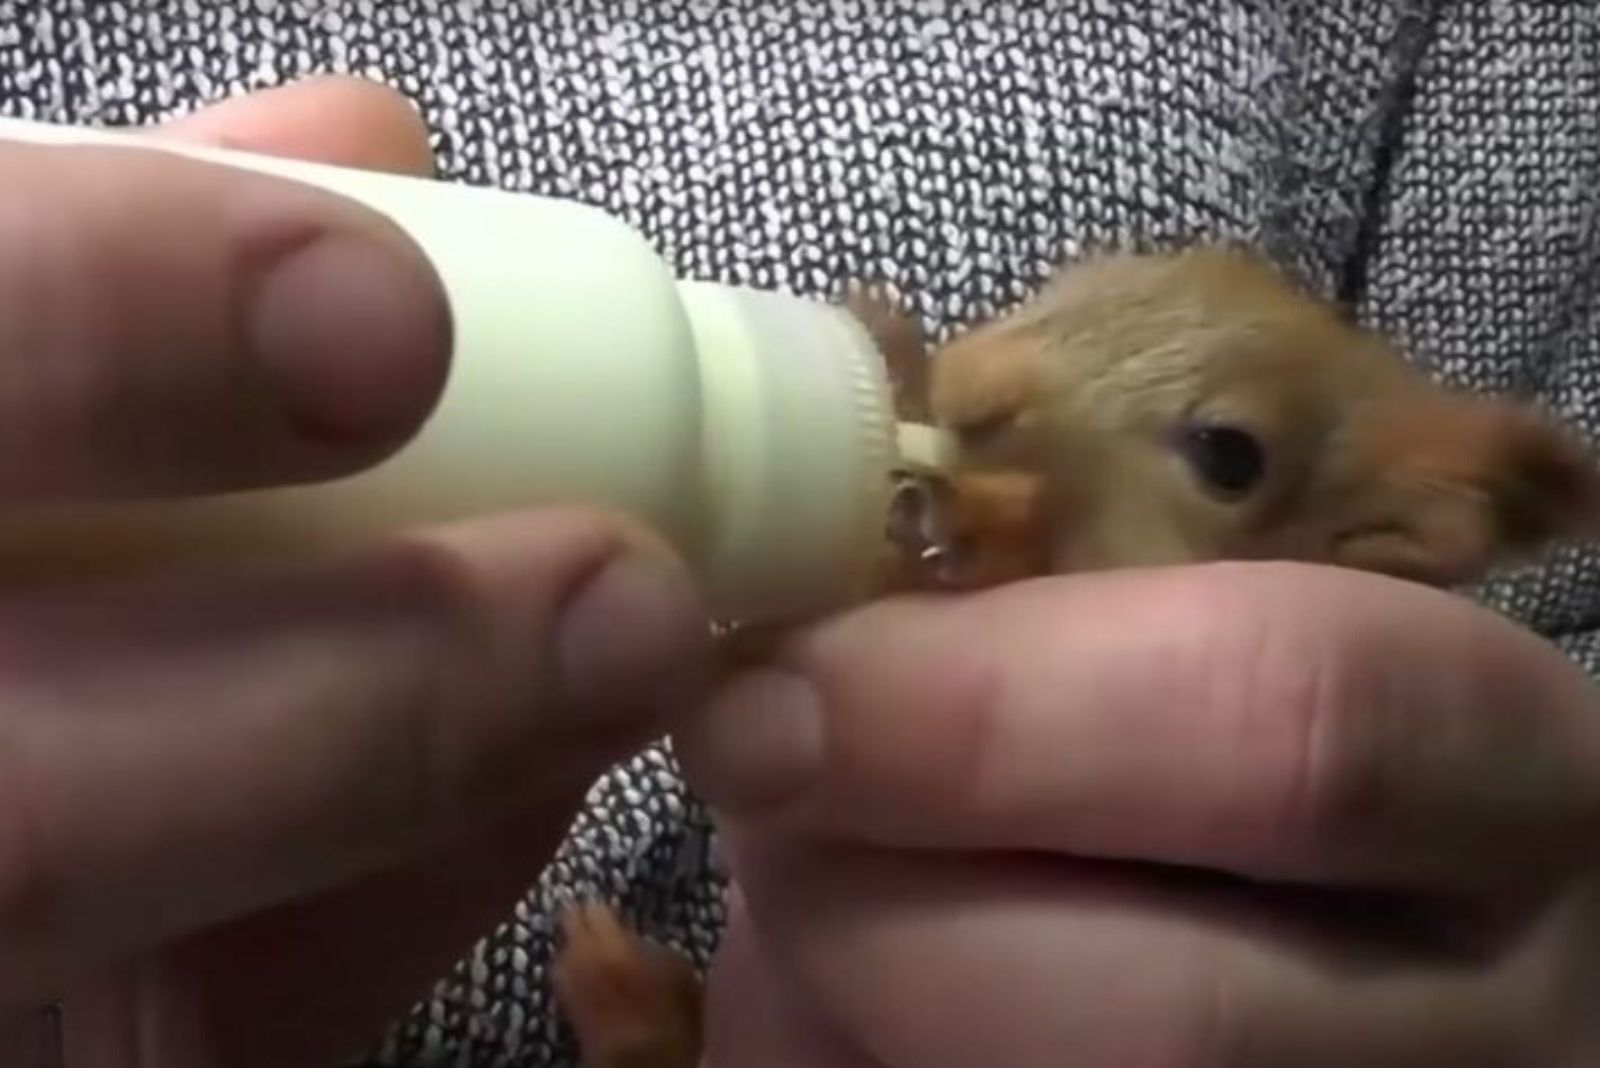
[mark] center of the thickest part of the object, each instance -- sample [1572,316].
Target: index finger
[1276,721]
[333,119]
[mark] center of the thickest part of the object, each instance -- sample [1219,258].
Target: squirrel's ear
[1470,483]
[899,337]
[1542,482]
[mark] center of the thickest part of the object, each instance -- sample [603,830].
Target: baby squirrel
[1152,409]
[1198,405]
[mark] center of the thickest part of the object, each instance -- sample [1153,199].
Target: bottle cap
[802,449]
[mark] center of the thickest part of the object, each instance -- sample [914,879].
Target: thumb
[169,326]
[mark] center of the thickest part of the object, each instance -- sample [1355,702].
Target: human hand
[247,818]
[1232,816]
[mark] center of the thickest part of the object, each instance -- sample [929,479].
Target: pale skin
[245,819]
[290,802]
[941,829]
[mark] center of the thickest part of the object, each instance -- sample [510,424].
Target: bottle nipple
[919,527]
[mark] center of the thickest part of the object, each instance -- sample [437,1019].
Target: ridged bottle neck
[800,446]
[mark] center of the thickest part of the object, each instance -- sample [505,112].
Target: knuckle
[444,727]
[78,277]
[1342,787]
[1222,1017]
[1301,701]
[47,283]
[464,697]
[903,783]
[494,583]
[433,578]
[1333,778]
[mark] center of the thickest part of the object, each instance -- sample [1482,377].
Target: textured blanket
[1435,164]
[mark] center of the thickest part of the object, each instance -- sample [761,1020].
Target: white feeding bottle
[752,430]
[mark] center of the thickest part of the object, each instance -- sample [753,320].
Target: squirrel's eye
[1227,459]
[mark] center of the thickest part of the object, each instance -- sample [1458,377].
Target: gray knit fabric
[1438,164]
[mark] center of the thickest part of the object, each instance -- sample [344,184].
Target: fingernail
[356,334]
[634,642]
[760,743]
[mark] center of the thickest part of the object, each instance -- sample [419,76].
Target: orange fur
[1068,411]
[900,339]
[1369,463]
[632,1003]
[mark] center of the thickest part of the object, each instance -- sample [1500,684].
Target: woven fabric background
[1437,164]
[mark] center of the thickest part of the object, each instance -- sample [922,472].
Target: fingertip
[357,337]
[329,118]
[881,702]
[758,743]
[633,637]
